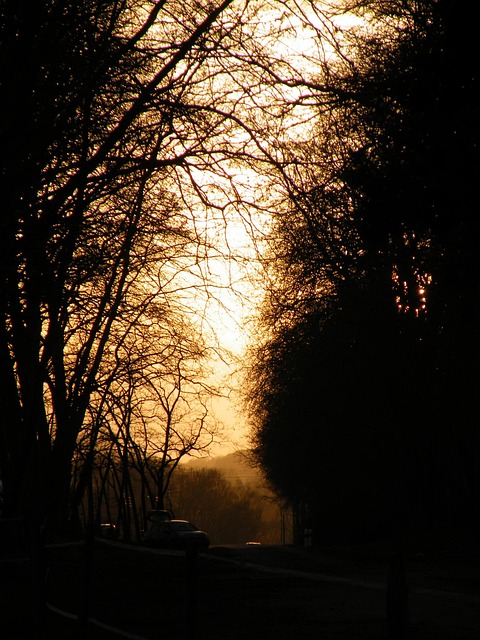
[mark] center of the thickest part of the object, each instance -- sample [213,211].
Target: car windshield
[183,526]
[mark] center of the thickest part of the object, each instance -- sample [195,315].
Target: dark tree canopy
[363,397]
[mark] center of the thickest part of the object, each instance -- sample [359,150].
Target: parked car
[108,530]
[158,514]
[175,534]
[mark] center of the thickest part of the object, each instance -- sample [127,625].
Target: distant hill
[234,466]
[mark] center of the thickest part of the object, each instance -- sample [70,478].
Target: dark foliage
[365,404]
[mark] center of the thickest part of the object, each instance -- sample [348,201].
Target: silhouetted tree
[369,355]
[97,122]
[150,411]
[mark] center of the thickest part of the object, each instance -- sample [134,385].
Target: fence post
[191,555]
[397,600]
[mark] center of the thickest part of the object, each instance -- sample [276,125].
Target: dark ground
[330,594]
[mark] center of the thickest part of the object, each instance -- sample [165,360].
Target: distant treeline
[229,510]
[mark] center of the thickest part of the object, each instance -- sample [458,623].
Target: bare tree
[107,124]
[151,412]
